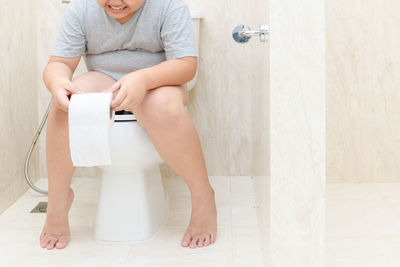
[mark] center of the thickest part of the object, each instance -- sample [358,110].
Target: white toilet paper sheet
[90,120]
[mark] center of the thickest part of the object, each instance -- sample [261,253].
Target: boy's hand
[132,89]
[62,91]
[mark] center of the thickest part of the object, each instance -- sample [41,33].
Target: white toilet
[133,204]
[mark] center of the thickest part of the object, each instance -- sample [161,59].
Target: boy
[144,52]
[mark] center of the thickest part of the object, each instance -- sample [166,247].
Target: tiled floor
[363,225]
[362,229]
[237,244]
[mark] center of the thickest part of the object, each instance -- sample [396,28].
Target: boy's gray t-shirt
[159,30]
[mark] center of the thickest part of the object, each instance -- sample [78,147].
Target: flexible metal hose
[28,157]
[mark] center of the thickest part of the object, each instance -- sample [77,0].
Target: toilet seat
[124,116]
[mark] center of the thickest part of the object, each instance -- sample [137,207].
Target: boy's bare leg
[163,115]
[56,230]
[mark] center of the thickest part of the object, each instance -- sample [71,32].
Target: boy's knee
[162,107]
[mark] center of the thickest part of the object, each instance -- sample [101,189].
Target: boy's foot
[56,229]
[202,230]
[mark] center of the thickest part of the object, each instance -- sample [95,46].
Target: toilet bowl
[132,202]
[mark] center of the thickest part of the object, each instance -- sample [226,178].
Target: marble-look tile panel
[362,225]
[18,94]
[363,115]
[297,87]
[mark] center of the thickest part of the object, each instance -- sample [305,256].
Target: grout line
[230,198]
[257,213]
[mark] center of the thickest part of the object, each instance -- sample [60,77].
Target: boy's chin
[118,16]
[115,16]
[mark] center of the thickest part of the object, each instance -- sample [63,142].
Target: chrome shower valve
[242,33]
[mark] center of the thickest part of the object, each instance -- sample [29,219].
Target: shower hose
[28,157]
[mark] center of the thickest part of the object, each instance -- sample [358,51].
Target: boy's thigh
[93,81]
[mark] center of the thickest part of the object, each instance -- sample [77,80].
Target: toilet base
[132,206]
[142,240]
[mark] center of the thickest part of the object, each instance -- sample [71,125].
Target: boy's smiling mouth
[121,10]
[115,9]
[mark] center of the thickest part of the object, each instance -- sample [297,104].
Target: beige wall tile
[297,78]
[363,115]
[229,104]
[18,91]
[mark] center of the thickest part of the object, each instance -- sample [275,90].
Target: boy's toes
[193,244]
[213,237]
[41,239]
[45,240]
[50,245]
[207,240]
[186,240]
[200,243]
[62,242]
[41,236]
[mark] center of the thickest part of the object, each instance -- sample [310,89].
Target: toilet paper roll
[90,120]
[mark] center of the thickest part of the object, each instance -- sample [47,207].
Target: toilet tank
[196,16]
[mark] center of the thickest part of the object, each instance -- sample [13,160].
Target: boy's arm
[170,72]
[57,77]
[58,68]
